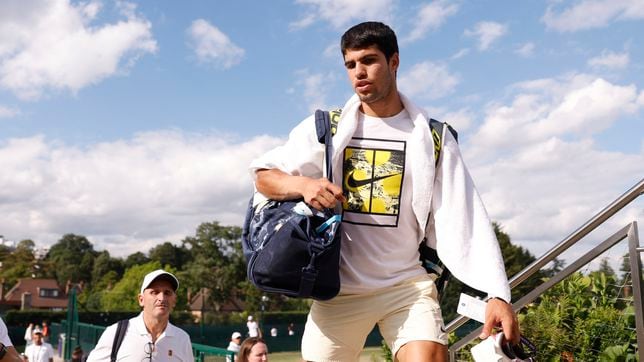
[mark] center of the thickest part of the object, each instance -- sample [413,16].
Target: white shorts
[336,329]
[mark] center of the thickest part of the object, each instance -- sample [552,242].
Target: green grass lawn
[369,354]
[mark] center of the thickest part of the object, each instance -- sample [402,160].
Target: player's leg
[414,328]
[336,330]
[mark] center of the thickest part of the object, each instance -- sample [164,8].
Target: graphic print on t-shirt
[373,172]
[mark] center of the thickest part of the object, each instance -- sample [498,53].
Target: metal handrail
[562,246]
[578,234]
[590,225]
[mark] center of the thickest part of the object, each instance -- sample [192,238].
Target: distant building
[35,293]
[199,303]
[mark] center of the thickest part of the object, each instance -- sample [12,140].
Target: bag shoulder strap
[326,125]
[429,257]
[436,127]
[119,336]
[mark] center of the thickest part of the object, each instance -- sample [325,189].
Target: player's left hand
[500,313]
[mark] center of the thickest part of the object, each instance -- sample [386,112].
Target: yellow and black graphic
[373,183]
[334,117]
[437,144]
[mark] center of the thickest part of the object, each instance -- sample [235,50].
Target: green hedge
[24,317]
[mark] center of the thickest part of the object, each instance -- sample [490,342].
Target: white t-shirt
[172,345]
[28,333]
[4,334]
[41,353]
[380,234]
[253,329]
[232,346]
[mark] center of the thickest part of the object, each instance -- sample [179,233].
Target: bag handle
[323,130]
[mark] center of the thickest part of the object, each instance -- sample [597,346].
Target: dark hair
[370,33]
[246,346]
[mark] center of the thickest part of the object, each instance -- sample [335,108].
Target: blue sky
[133,122]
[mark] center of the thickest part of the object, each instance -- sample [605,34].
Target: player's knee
[422,351]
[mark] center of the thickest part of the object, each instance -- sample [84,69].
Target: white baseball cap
[236,335]
[159,274]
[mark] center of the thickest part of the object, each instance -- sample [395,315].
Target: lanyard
[38,353]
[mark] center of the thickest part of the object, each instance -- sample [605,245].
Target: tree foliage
[170,254]
[580,317]
[135,259]
[20,263]
[124,295]
[216,261]
[72,258]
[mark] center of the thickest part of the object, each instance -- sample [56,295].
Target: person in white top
[39,350]
[150,336]
[7,351]
[393,196]
[234,344]
[253,327]
[28,332]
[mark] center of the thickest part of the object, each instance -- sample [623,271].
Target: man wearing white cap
[149,336]
[235,343]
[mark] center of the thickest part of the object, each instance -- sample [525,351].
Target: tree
[604,267]
[137,258]
[72,258]
[103,264]
[216,262]
[170,254]
[91,299]
[18,263]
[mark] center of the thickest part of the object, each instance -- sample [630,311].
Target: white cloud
[487,32]
[573,105]
[526,50]
[333,51]
[589,14]
[461,53]
[131,194]
[314,88]
[55,45]
[8,112]
[609,59]
[536,161]
[545,190]
[340,13]
[430,17]
[212,46]
[460,119]
[428,80]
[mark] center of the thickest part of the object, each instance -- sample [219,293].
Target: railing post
[634,251]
